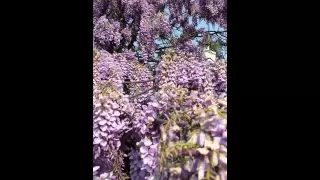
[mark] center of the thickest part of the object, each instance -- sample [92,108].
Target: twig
[129,82]
[217,31]
[160,121]
[164,47]
[142,92]
[153,61]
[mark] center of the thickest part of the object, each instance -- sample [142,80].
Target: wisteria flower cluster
[180,120]
[115,110]
[106,31]
[185,72]
[137,76]
[183,137]
[159,112]
[219,70]
[112,112]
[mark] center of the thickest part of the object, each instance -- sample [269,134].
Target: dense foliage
[159,110]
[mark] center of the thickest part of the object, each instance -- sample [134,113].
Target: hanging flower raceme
[98,6]
[219,70]
[193,136]
[186,72]
[112,113]
[107,32]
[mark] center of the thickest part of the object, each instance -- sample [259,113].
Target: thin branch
[217,31]
[162,121]
[153,61]
[211,34]
[129,82]
[186,37]
[160,48]
[142,92]
[222,35]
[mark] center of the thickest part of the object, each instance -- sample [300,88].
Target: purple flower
[116,113]
[144,149]
[147,142]
[97,141]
